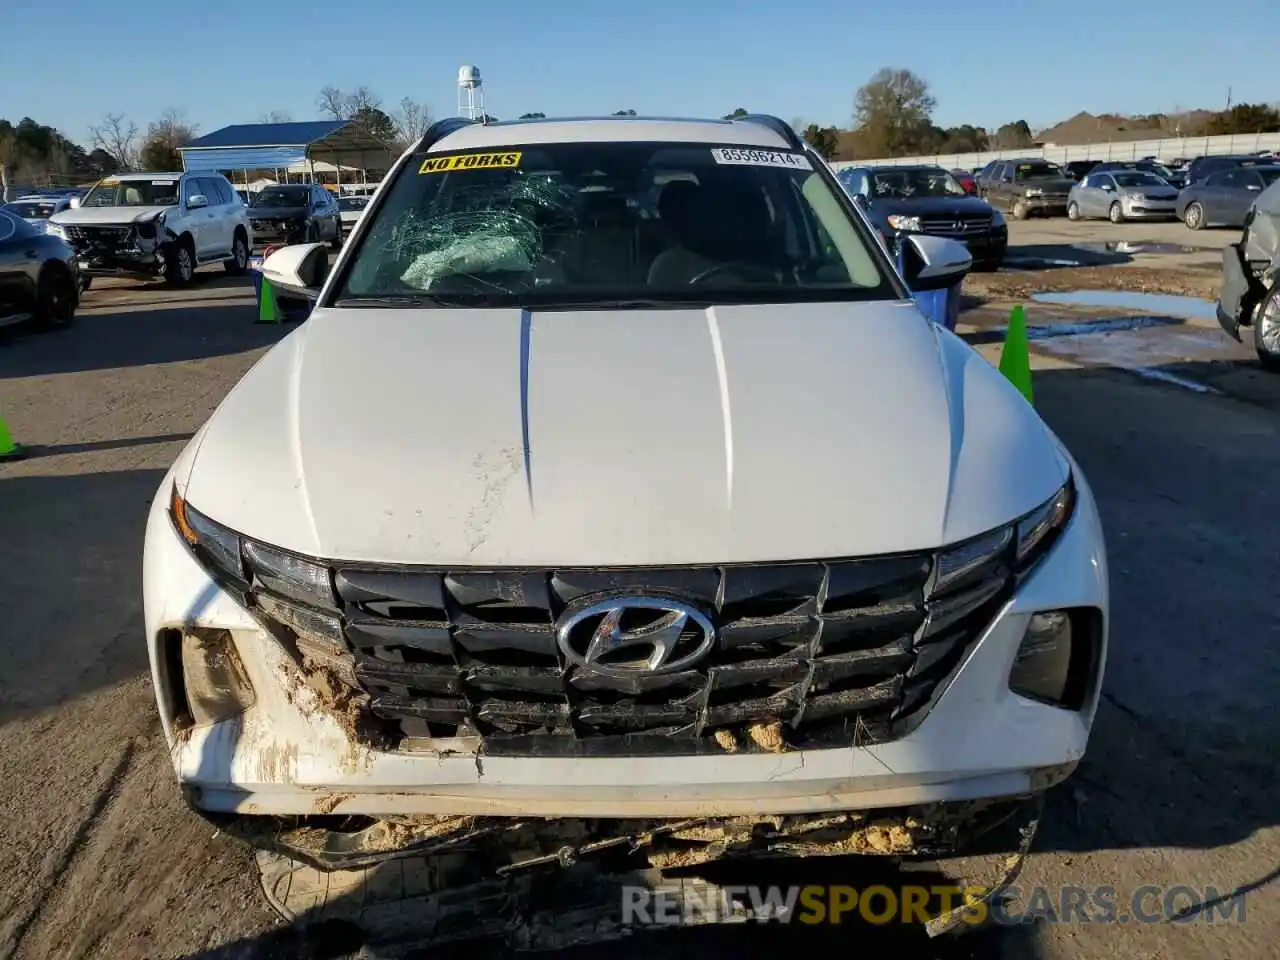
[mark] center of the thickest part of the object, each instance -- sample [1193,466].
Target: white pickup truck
[149,225]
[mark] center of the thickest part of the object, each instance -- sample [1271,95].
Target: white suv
[614,483]
[157,225]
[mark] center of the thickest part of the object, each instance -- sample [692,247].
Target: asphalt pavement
[99,857]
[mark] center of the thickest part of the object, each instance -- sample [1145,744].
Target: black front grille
[825,653]
[961,226]
[99,238]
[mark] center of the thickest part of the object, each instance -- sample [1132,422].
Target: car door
[16,290]
[1212,196]
[197,221]
[999,185]
[227,206]
[1242,188]
[324,216]
[1100,195]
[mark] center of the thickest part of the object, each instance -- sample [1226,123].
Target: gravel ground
[100,858]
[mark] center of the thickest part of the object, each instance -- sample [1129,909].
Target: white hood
[502,437]
[106,215]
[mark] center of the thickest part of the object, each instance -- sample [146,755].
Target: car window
[1236,179]
[562,223]
[204,185]
[1137,178]
[157,192]
[1269,175]
[281,196]
[909,183]
[1037,170]
[1219,179]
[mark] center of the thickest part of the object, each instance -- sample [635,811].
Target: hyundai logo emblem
[628,636]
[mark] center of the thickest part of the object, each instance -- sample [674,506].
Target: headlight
[1034,192]
[55,230]
[903,223]
[1139,197]
[279,588]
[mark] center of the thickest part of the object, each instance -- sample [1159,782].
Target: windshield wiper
[401,300]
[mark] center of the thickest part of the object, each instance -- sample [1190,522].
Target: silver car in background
[1121,195]
[37,209]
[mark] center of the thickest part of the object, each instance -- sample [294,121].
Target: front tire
[85,283]
[1193,216]
[1019,211]
[56,299]
[239,261]
[1116,213]
[1073,211]
[180,263]
[1266,331]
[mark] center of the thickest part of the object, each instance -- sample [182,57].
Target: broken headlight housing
[292,596]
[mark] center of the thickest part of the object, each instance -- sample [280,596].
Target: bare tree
[275,116]
[333,102]
[360,100]
[118,136]
[8,156]
[411,119]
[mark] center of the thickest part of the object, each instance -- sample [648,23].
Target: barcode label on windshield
[760,158]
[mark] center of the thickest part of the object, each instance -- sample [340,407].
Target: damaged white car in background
[152,225]
[616,508]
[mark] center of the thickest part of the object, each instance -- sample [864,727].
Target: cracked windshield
[584,223]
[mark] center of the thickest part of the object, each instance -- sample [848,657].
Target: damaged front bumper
[133,250]
[613,890]
[1242,289]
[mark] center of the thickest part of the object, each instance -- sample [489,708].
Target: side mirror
[299,270]
[196,201]
[933,263]
[74,203]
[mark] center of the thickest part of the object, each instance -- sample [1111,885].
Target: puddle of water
[1188,308]
[1139,246]
[1106,325]
[1038,263]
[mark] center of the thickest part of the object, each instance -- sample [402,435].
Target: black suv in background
[1201,167]
[1024,187]
[1077,170]
[926,199]
[295,213]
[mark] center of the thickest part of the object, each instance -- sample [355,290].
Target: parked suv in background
[148,225]
[928,199]
[296,213]
[558,531]
[1026,187]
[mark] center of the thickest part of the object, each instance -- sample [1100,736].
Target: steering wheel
[748,268]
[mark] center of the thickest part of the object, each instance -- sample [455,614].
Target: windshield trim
[893,289]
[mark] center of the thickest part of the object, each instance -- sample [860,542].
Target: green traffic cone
[8,449]
[1015,358]
[268,309]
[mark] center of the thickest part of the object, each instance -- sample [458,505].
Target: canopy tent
[320,166]
[270,146]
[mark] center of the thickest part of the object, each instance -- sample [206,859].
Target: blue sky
[987,63]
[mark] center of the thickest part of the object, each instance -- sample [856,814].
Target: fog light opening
[216,684]
[1056,659]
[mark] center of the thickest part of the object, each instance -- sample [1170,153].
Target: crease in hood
[503,437]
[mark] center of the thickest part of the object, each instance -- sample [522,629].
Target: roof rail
[441,129]
[777,125]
